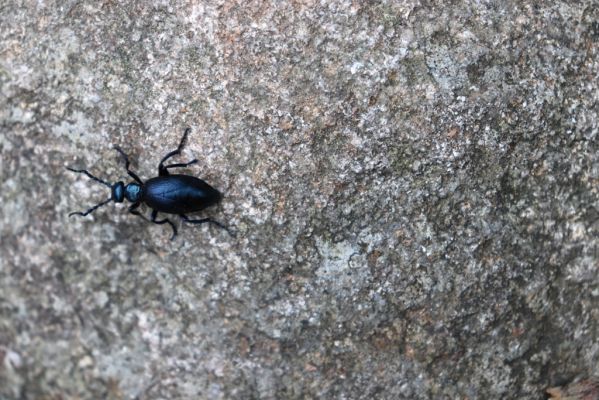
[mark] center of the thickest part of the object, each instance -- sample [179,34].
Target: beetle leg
[163,221]
[181,165]
[133,210]
[131,173]
[206,220]
[162,170]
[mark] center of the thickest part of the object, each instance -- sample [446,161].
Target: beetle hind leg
[206,220]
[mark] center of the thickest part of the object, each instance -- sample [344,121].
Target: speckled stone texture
[414,185]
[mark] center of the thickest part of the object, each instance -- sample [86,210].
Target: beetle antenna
[82,171]
[94,208]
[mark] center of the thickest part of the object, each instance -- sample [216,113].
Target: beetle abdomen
[179,194]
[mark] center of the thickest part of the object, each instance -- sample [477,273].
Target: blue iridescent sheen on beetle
[171,194]
[118,190]
[133,192]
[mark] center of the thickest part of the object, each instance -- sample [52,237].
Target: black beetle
[166,193]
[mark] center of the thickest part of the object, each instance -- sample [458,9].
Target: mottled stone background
[414,185]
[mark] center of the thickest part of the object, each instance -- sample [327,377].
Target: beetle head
[118,192]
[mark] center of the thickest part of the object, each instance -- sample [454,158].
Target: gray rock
[414,187]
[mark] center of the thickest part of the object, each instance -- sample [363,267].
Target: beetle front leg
[126,157]
[163,221]
[133,210]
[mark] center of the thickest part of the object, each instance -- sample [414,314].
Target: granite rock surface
[414,187]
